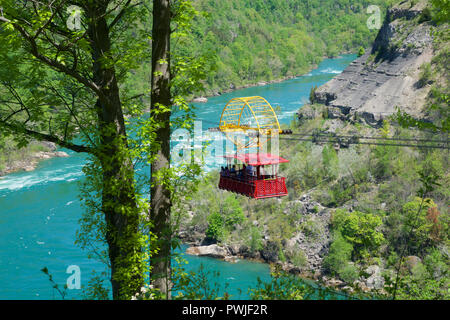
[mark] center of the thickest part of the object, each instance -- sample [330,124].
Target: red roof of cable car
[258,159]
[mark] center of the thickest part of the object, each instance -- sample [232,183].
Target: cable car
[253,179]
[244,120]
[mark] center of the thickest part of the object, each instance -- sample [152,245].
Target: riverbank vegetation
[13,158]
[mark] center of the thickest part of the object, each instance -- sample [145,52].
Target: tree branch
[122,12]
[52,63]
[46,137]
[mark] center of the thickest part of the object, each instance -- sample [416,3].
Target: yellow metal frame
[248,113]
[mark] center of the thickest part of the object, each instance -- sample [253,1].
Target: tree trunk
[160,113]
[118,192]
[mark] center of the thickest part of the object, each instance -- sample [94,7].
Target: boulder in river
[213,251]
[200,99]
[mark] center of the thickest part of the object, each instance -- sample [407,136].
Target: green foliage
[221,223]
[96,288]
[281,255]
[61,291]
[427,280]
[232,212]
[255,242]
[441,10]
[349,273]
[339,255]
[330,161]
[361,51]
[282,287]
[311,228]
[197,284]
[312,97]
[384,156]
[298,258]
[360,229]
[216,226]
[419,224]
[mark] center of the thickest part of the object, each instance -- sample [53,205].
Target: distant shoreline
[261,83]
[31,161]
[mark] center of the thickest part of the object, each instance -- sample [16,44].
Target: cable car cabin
[257,176]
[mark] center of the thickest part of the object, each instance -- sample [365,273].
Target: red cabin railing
[263,188]
[275,187]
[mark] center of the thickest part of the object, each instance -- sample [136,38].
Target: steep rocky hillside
[388,75]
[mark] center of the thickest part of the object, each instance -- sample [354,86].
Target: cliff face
[387,76]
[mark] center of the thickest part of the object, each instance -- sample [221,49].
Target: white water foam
[331,71]
[14,182]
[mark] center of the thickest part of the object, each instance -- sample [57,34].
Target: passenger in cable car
[233,171]
[250,170]
[242,173]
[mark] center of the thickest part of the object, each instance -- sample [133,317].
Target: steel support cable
[377,138]
[370,143]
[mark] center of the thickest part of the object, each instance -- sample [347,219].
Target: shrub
[425,75]
[220,224]
[311,228]
[349,273]
[359,229]
[339,255]
[425,224]
[299,259]
[361,51]
[233,212]
[330,161]
[255,242]
[312,98]
[215,226]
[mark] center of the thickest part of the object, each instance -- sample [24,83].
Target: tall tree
[56,82]
[160,111]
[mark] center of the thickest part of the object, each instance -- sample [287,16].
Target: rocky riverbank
[30,160]
[313,243]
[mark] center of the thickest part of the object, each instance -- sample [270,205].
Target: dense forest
[249,41]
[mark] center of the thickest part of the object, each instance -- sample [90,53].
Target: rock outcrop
[213,251]
[30,161]
[386,77]
[200,99]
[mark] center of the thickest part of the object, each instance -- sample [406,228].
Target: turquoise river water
[39,210]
